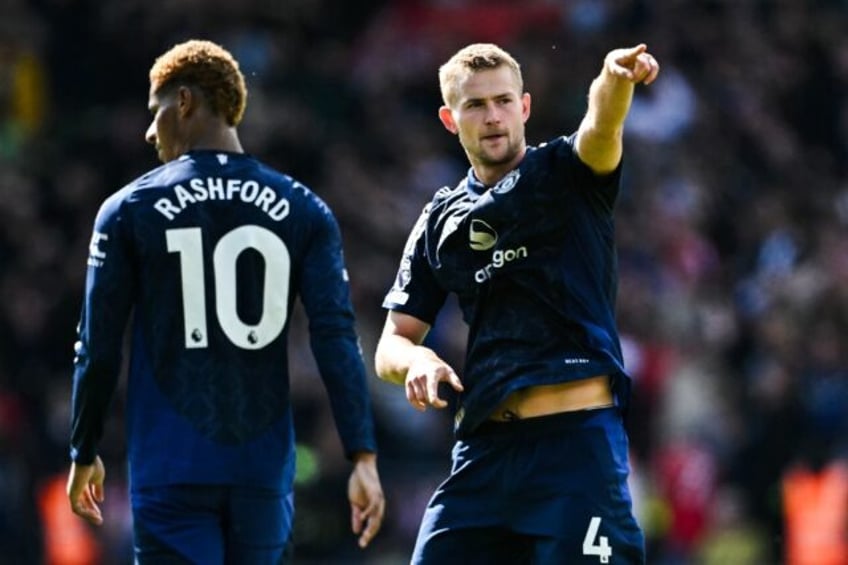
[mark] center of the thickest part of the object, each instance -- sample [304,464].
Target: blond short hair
[209,67]
[469,60]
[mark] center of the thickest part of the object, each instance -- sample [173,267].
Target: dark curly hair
[209,67]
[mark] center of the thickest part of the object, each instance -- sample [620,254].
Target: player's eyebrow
[502,96]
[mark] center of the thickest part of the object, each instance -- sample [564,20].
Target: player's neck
[225,139]
[490,174]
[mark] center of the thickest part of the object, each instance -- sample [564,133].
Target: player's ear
[186,100]
[446,117]
[525,106]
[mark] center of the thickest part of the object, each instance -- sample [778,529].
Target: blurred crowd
[732,226]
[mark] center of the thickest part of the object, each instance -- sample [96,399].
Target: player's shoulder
[443,193]
[115,202]
[555,146]
[450,193]
[158,177]
[300,195]
[557,154]
[164,175]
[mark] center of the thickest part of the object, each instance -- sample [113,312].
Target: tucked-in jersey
[533,264]
[206,255]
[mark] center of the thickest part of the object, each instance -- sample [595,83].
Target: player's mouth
[494,137]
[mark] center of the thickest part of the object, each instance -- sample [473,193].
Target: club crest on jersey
[507,183]
[481,236]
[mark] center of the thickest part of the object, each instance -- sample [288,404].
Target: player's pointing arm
[599,139]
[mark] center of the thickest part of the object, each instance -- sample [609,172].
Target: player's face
[164,131]
[489,117]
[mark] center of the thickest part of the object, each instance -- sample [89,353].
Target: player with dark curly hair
[208,253]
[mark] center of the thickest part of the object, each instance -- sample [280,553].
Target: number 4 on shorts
[593,544]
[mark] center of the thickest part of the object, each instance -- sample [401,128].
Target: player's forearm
[342,370]
[610,96]
[395,355]
[91,397]
[601,131]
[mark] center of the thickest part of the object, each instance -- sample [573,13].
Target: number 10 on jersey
[188,242]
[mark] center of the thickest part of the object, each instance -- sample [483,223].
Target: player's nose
[150,134]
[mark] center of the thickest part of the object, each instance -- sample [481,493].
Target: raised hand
[633,63]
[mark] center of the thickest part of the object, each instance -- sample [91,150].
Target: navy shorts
[211,525]
[545,490]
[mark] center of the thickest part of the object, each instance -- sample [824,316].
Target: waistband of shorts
[539,425]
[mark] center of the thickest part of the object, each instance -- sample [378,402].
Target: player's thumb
[454,381]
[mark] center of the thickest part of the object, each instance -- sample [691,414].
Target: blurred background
[732,226]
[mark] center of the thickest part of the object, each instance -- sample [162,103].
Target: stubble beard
[489,158]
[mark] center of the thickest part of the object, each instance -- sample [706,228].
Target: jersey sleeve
[604,187]
[325,294]
[415,290]
[107,301]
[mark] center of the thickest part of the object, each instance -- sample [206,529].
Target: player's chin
[497,157]
[495,144]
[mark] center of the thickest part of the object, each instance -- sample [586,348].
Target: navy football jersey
[207,255]
[532,262]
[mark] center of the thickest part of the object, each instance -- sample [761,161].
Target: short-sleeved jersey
[207,255]
[533,264]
